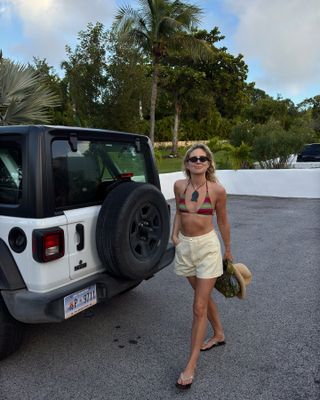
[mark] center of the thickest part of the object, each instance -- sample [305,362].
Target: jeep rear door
[83,175]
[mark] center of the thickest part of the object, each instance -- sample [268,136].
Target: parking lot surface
[135,346]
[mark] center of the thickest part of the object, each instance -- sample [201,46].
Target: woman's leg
[202,291]
[213,317]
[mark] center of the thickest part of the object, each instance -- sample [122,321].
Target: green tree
[126,101]
[225,75]
[63,114]
[311,106]
[256,94]
[219,97]
[159,28]
[85,75]
[266,108]
[178,82]
[24,95]
[200,118]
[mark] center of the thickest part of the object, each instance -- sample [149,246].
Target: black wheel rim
[145,231]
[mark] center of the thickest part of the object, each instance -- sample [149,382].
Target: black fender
[10,277]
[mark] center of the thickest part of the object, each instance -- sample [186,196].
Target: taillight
[47,244]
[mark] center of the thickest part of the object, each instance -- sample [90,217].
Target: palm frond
[147,10]
[24,97]
[140,38]
[14,79]
[197,49]
[126,18]
[32,109]
[188,15]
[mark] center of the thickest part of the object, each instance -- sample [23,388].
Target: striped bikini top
[205,208]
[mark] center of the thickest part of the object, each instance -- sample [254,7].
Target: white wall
[303,183]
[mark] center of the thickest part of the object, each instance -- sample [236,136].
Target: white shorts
[198,256]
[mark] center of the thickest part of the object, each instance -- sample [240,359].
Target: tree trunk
[153,101]
[177,114]
[140,110]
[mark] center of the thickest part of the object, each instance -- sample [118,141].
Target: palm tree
[159,28]
[24,98]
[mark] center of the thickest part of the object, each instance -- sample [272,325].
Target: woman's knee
[200,309]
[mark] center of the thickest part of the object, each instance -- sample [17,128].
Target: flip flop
[183,378]
[214,344]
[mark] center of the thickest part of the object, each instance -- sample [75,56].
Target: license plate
[79,301]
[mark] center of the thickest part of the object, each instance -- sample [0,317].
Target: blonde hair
[210,172]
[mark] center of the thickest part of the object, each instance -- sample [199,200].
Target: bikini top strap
[185,190]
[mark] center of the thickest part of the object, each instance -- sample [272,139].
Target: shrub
[241,156]
[215,144]
[242,133]
[273,145]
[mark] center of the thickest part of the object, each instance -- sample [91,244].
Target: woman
[198,254]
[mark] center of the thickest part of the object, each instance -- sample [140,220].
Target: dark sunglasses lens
[201,159]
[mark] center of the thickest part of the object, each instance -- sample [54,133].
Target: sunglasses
[202,159]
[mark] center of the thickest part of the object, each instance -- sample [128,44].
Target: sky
[279,39]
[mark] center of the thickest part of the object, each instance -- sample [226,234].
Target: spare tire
[132,230]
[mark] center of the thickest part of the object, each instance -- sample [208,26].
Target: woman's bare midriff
[193,224]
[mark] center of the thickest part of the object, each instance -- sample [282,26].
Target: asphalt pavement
[135,346]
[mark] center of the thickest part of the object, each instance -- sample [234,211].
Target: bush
[223,160]
[241,156]
[271,144]
[242,133]
[215,144]
[228,156]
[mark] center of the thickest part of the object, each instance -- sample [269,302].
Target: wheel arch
[10,277]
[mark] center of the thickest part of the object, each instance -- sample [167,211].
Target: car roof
[25,129]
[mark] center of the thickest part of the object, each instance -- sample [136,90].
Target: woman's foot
[184,382]
[213,342]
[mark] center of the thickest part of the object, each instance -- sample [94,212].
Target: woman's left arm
[223,222]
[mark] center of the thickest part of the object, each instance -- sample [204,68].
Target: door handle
[80,232]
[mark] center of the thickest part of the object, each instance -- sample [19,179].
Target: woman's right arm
[177,218]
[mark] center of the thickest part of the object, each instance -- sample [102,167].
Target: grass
[169,165]
[166,164]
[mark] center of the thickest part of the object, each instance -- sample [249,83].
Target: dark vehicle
[310,153]
[82,218]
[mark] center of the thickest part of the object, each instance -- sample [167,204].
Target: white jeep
[82,218]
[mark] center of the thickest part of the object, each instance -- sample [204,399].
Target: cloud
[48,25]
[281,37]
[5,10]
[278,38]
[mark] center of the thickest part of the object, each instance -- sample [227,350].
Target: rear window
[10,173]
[83,176]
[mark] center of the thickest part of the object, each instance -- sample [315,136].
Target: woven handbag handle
[228,266]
